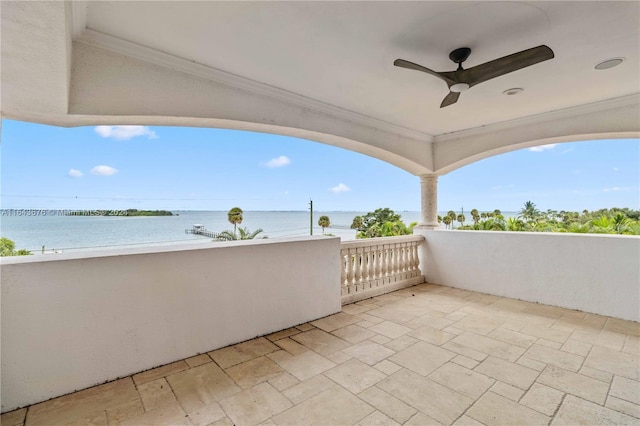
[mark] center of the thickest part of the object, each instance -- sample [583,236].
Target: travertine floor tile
[390,329]
[283,381]
[477,324]
[431,335]
[401,343]
[555,335]
[603,376]
[510,392]
[555,357]
[493,409]
[156,394]
[197,360]
[387,367]
[200,386]
[308,388]
[623,406]
[355,376]
[250,373]
[576,347]
[169,414]
[488,346]
[465,361]
[320,341]
[242,352]
[393,315]
[335,321]
[377,419]
[282,334]
[467,421]
[334,406]
[462,380]
[429,397]
[388,404]
[302,366]
[513,337]
[622,327]
[543,399]
[575,384]
[421,419]
[508,372]
[632,345]
[369,352]
[225,421]
[353,333]
[156,373]
[464,351]
[291,346]
[626,389]
[255,405]
[84,404]
[207,415]
[597,338]
[618,363]
[423,357]
[305,327]
[576,411]
[125,411]
[13,418]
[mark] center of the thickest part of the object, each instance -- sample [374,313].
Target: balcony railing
[379,265]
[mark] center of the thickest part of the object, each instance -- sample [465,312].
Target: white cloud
[278,162]
[103,171]
[613,189]
[542,147]
[125,132]
[75,173]
[615,169]
[341,187]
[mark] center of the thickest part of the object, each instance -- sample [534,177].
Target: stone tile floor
[420,356]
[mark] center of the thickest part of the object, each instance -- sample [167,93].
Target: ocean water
[57,232]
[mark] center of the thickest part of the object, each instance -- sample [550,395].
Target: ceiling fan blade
[410,65]
[505,65]
[450,99]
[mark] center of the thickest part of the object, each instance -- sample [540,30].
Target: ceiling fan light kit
[462,79]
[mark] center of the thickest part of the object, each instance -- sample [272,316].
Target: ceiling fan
[461,79]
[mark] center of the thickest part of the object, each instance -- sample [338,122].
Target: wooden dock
[200,230]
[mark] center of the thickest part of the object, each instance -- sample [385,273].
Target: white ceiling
[334,58]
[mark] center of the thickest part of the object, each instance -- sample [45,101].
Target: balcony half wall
[592,273]
[70,321]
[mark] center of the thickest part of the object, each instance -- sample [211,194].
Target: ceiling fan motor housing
[460,55]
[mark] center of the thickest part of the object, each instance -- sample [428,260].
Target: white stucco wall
[591,273]
[70,321]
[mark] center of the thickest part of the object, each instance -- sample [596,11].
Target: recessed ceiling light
[609,63]
[513,91]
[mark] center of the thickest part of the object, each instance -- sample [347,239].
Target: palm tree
[529,211]
[324,222]
[476,216]
[235,217]
[447,221]
[243,234]
[452,215]
[461,219]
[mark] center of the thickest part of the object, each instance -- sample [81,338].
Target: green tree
[475,216]
[452,216]
[357,222]
[381,223]
[447,221]
[8,248]
[242,234]
[235,217]
[460,218]
[529,211]
[324,222]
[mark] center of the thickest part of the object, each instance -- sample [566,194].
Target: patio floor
[420,356]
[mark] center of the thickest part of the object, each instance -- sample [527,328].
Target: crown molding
[103,41]
[628,101]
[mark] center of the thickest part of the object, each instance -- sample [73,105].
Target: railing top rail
[366,242]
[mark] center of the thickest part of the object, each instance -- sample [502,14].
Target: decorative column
[429,194]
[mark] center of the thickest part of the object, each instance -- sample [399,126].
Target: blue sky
[175,168]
